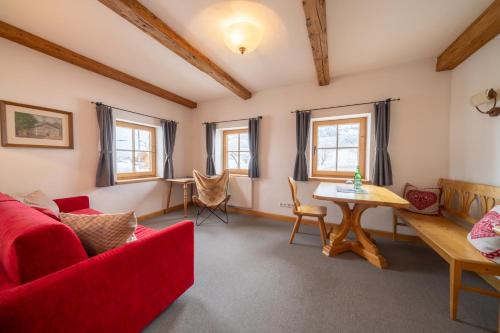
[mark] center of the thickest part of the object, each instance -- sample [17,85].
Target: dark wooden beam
[480,32]
[142,18]
[315,11]
[25,38]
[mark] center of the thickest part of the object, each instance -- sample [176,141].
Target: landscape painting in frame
[33,126]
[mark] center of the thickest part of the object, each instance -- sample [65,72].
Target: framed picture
[34,126]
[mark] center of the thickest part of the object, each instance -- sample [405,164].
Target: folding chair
[211,196]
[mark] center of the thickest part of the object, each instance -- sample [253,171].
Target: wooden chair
[306,210]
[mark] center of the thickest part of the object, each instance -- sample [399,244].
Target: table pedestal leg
[185,188]
[169,194]
[192,193]
[363,245]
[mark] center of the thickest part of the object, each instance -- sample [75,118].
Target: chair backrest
[458,197]
[293,189]
[211,189]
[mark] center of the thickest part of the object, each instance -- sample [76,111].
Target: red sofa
[48,284]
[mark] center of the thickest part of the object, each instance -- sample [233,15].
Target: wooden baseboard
[159,213]
[271,216]
[335,226]
[399,237]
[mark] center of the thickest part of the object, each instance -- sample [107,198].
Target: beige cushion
[103,232]
[39,199]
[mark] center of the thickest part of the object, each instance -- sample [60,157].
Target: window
[236,152]
[338,147]
[135,151]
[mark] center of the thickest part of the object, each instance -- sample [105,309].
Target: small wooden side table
[185,182]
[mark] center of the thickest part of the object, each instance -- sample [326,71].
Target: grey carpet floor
[248,279]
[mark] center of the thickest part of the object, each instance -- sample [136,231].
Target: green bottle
[357,180]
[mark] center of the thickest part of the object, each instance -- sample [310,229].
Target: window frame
[364,121]
[225,134]
[137,175]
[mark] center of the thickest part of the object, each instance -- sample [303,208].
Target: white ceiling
[362,35]
[365,35]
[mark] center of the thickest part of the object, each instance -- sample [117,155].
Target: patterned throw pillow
[103,232]
[423,200]
[484,238]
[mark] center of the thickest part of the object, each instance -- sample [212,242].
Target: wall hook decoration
[488,96]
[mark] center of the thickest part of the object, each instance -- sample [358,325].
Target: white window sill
[137,180]
[336,180]
[238,175]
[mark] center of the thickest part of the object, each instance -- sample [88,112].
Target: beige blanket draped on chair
[212,191]
[212,195]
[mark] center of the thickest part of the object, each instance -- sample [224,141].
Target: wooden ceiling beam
[134,12]
[315,12]
[480,32]
[25,38]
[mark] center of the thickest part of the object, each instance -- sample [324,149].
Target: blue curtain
[210,140]
[382,172]
[169,130]
[105,175]
[253,137]
[302,123]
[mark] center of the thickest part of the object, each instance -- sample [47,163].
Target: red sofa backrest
[32,244]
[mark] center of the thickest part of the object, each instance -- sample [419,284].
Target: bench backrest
[459,196]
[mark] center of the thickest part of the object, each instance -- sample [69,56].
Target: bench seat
[449,239]
[445,237]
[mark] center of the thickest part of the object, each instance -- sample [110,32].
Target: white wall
[475,137]
[419,130]
[29,77]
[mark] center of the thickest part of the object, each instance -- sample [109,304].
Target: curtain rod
[346,105]
[141,114]
[228,121]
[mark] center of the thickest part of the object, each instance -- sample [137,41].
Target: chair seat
[309,210]
[213,204]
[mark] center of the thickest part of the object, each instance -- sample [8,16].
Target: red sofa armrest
[68,205]
[121,290]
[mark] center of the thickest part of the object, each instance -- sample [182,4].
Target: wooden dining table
[363,245]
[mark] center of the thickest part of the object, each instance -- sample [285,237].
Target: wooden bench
[449,239]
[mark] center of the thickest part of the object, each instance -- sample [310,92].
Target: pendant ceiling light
[242,37]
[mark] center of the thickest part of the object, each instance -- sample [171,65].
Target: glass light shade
[242,37]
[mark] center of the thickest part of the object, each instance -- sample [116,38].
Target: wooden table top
[377,195]
[185,180]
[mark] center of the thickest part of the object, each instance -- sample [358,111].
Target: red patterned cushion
[423,200]
[484,238]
